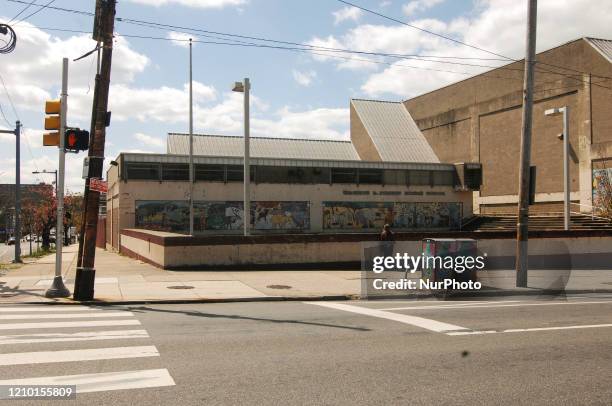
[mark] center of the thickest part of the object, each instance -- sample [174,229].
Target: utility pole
[58,289]
[247,158]
[85,274]
[191,174]
[522,227]
[17,134]
[91,131]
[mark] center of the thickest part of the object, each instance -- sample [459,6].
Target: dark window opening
[142,171]
[175,172]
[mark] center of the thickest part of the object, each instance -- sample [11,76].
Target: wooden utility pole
[103,30]
[522,227]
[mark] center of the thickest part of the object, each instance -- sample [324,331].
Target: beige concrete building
[479,120]
[387,173]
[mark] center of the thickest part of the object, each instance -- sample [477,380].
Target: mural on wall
[162,215]
[356,215]
[373,215]
[280,216]
[173,216]
[602,191]
[218,216]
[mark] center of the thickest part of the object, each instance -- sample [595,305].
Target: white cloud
[150,141]
[321,123]
[417,6]
[192,3]
[304,78]
[181,39]
[495,25]
[347,13]
[385,3]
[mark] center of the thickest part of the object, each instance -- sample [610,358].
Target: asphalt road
[516,351]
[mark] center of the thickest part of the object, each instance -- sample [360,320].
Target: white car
[10,241]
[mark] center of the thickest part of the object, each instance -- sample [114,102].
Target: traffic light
[76,140]
[53,109]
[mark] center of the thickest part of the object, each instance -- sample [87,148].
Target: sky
[295,93]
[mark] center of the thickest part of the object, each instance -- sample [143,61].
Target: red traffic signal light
[76,140]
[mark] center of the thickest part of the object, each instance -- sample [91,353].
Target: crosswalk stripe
[43,357]
[64,315]
[428,324]
[48,309]
[68,324]
[81,336]
[148,378]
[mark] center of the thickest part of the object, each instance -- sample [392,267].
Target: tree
[39,213]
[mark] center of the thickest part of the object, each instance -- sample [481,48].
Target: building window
[175,172]
[343,175]
[371,176]
[443,178]
[210,173]
[142,171]
[419,178]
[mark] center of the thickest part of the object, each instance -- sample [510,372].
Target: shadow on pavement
[236,317]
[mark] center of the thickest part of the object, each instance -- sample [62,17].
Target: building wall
[361,139]
[479,119]
[122,198]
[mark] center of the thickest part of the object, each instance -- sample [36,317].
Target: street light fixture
[566,181]
[245,87]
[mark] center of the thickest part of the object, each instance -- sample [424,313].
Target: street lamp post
[46,171]
[245,87]
[566,181]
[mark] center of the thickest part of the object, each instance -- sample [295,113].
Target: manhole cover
[278,287]
[180,287]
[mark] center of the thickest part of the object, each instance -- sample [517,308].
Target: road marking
[43,357]
[82,336]
[107,381]
[68,324]
[64,315]
[427,324]
[523,330]
[70,308]
[480,306]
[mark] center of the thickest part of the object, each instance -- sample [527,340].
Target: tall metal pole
[522,227]
[85,274]
[247,166]
[17,192]
[57,288]
[566,179]
[191,174]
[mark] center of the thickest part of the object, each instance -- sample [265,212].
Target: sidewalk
[121,279]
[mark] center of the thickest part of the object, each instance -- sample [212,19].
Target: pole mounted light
[566,181]
[245,87]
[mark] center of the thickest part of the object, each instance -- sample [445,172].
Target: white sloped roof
[262,147]
[393,131]
[603,46]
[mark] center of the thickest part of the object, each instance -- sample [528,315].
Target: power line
[35,12]
[22,11]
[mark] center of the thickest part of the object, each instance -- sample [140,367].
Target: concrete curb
[487,293]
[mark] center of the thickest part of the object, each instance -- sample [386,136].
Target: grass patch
[40,253]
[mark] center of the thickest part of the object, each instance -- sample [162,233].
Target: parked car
[10,241]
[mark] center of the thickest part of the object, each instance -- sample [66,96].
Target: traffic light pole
[58,289]
[85,274]
[17,133]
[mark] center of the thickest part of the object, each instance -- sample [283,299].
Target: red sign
[98,185]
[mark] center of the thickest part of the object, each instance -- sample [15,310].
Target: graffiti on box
[373,215]
[222,216]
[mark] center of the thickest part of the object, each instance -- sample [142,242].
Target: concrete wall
[479,120]
[164,251]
